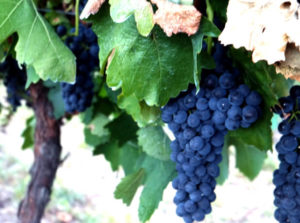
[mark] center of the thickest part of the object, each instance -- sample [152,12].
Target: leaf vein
[29,34]
[46,31]
[11,12]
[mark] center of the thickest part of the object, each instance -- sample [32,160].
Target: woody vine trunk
[47,150]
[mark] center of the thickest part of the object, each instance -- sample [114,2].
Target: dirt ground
[83,191]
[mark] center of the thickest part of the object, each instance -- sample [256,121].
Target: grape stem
[76,17]
[294,115]
[210,15]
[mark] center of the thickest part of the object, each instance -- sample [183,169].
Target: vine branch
[47,150]
[210,16]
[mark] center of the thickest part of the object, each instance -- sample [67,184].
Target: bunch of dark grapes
[199,123]
[14,80]
[287,177]
[77,97]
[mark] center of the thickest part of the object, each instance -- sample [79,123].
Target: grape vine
[199,122]
[129,80]
[287,177]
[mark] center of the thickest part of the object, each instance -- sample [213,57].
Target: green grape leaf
[98,124]
[260,77]
[139,110]
[55,96]
[158,175]
[144,18]
[220,8]
[32,77]
[105,106]
[129,185]
[2,53]
[97,127]
[206,61]
[154,142]
[154,68]
[249,159]
[28,133]
[102,105]
[259,134]
[263,79]
[123,129]
[96,133]
[124,156]
[87,116]
[110,137]
[94,140]
[139,168]
[224,165]
[38,45]
[207,28]
[280,84]
[121,10]
[129,154]
[111,152]
[110,94]
[56,18]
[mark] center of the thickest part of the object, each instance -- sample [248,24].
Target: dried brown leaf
[91,7]
[110,57]
[174,18]
[262,26]
[290,68]
[288,72]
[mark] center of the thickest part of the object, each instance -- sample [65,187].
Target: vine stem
[57,11]
[210,15]
[77,17]
[47,151]
[294,115]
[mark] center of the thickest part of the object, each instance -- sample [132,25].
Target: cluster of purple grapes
[14,80]
[78,97]
[199,123]
[287,177]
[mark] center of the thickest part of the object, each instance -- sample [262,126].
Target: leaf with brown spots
[174,18]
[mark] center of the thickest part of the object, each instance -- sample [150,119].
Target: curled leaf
[262,26]
[174,18]
[91,7]
[290,68]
